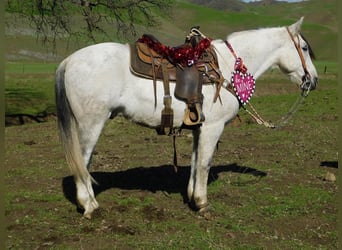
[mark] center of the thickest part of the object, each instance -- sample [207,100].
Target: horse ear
[296,27]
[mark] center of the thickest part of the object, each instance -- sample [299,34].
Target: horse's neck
[257,48]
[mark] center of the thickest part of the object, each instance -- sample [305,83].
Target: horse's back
[100,47]
[98,54]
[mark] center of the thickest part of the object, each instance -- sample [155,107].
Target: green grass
[30,68]
[29,88]
[296,201]
[289,208]
[321,35]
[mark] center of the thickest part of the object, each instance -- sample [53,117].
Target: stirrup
[193,115]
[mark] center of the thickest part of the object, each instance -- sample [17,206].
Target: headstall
[306,79]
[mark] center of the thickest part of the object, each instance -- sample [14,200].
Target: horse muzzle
[308,84]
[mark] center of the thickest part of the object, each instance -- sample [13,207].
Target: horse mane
[311,52]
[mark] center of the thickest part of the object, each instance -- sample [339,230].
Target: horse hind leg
[78,136]
[79,145]
[88,137]
[85,196]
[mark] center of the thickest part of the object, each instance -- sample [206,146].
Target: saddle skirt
[146,63]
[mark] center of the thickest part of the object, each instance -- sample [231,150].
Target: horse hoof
[87,215]
[92,207]
[203,208]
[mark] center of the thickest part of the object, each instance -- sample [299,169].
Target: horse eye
[305,48]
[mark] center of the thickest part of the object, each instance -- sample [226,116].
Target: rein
[254,114]
[306,77]
[283,121]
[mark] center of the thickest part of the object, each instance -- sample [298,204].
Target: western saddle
[189,66]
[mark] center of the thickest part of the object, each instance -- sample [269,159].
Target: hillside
[233,5]
[320,26]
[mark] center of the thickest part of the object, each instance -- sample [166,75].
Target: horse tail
[68,129]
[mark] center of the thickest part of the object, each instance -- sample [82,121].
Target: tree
[53,19]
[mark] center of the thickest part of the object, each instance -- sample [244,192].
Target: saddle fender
[188,88]
[188,84]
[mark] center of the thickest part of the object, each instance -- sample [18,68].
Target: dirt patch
[21,119]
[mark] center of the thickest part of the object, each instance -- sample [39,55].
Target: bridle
[305,86]
[306,79]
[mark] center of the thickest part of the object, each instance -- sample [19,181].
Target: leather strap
[300,53]
[165,80]
[167,112]
[230,48]
[154,77]
[219,83]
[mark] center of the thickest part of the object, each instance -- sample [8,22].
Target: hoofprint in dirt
[268,188]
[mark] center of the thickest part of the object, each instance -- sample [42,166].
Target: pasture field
[268,188]
[29,88]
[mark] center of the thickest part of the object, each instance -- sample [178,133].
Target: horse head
[297,58]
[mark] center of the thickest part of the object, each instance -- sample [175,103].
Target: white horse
[95,83]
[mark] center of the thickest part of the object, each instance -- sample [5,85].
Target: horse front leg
[191,184]
[204,142]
